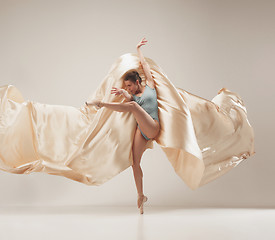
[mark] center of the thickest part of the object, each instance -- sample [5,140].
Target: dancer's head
[132,81]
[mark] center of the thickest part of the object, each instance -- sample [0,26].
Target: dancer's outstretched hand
[142,42]
[116,91]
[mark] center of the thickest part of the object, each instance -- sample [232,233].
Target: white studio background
[58,52]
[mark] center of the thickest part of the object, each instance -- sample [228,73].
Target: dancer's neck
[140,90]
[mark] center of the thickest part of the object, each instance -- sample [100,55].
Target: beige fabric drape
[91,146]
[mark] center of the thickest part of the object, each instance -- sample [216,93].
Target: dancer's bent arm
[125,94]
[147,72]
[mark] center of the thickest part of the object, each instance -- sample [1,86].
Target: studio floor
[98,222]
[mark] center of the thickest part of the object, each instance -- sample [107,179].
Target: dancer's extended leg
[147,124]
[138,148]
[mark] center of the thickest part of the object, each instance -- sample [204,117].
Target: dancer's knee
[133,105]
[136,168]
[135,165]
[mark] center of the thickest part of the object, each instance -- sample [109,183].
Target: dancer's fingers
[142,42]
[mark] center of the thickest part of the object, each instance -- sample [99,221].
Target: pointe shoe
[141,206]
[95,103]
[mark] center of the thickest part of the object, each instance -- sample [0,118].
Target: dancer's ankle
[100,104]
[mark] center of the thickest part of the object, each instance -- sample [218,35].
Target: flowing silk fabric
[202,139]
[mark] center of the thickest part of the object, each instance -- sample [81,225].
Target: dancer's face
[131,87]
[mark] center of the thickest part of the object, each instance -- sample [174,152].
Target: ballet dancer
[141,101]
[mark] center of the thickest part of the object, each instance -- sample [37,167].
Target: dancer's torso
[148,101]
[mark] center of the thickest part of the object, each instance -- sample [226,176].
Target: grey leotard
[148,101]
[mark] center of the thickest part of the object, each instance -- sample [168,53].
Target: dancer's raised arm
[147,71]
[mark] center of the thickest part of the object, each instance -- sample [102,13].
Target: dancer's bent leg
[147,124]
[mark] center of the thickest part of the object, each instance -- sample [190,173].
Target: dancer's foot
[141,200]
[95,103]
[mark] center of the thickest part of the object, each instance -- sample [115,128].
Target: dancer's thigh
[138,147]
[147,124]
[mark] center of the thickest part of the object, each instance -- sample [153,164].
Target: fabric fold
[202,139]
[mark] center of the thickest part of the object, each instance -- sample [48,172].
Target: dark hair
[132,76]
